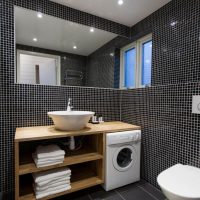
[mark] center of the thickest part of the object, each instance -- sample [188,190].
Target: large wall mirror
[52,51]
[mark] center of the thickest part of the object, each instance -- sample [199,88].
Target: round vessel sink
[70,120]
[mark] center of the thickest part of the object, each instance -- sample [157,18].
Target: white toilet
[180,182]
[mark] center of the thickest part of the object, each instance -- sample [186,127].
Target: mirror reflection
[52,51]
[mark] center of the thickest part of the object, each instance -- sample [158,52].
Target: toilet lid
[182,180]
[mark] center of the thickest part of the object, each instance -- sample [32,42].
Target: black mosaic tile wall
[26,105]
[32,102]
[176,48]
[103,65]
[117,68]
[170,132]
[71,64]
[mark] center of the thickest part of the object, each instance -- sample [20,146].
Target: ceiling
[131,12]
[57,34]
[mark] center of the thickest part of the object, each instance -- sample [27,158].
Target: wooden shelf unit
[82,177]
[87,164]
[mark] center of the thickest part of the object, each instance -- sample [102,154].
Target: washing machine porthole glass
[124,157]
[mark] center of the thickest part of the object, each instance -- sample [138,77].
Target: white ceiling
[57,34]
[131,12]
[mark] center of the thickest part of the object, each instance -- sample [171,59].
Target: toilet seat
[182,180]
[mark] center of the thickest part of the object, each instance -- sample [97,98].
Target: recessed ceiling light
[74,47]
[35,39]
[92,29]
[39,15]
[120,2]
[111,54]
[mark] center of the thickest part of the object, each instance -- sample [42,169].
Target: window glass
[146,62]
[129,63]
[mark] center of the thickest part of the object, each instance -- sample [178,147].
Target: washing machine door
[124,158]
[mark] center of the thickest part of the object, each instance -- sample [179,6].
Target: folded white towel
[51,186]
[54,158]
[50,192]
[52,189]
[52,181]
[50,161]
[41,163]
[42,176]
[48,164]
[49,151]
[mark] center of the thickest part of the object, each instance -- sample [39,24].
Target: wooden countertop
[49,132]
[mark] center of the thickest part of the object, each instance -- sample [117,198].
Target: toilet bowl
[180,182]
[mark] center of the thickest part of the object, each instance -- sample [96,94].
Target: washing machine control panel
[123,137]
[135,137]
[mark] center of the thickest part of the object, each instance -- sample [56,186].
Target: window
[136,63]
[37,68]
[130,59]
[146,62]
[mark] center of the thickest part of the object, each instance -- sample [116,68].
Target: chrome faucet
[69,106]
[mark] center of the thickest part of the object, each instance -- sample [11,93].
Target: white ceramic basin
[70,120]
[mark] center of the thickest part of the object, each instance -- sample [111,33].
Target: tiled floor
[137,191]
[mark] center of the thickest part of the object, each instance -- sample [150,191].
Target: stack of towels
[51,182]
[48,155]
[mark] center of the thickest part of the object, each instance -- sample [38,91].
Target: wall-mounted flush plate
[196,104]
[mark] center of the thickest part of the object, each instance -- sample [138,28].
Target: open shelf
[81,179]
[76,186]
[76,157]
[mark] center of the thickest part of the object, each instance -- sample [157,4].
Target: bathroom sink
[70,120]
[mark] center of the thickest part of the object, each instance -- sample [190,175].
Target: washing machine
[122,164]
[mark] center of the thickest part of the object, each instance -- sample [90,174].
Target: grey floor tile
[137,191]
[99,193]
[153,191]
[141,182]
[81,195]
[134,192]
